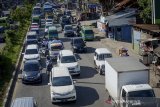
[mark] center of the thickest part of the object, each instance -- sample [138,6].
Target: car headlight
[38,75]
[74,47]
[72,92]
[53,93]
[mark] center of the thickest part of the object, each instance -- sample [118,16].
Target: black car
[64,21]
[31,72]
[78,45]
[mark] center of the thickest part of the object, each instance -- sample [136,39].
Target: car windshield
[49,21]
[89,31]
[53,32]
[32,42]
[142,93]
[30,67]
[61,81]
[31,51]
[58,47]
[68,59]
[103,56]
[68,28]
[31,37]
[78,41]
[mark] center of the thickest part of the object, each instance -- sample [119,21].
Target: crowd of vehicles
[125,77]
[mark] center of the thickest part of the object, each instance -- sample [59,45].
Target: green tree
[145,7]
[106,5]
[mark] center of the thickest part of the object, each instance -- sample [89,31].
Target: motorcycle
[49,65]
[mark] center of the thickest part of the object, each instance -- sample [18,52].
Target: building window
[119,29]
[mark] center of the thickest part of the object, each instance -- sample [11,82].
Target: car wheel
[41,80]
[100,72]
[95,65]
[74,101]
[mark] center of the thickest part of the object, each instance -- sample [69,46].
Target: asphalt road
[89,87]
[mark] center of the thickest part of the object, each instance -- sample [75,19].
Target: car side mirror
[74,81]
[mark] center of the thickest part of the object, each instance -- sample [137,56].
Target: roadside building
[119,25]
[145,34]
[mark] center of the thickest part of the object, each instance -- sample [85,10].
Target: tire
[100,72]
[95,65]
[74,101]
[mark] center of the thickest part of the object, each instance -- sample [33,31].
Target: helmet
[48,58]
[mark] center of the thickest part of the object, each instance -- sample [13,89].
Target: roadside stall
[156,61]
[122,51]
[146,50]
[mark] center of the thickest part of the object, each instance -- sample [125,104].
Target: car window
[78,41]
[49,21]
[30,67]
[68,28]
[61,81]
[57,47]
[103,56]
[31,51]
[31,37]
[53,32]
[68,59]
[32,42]
[88,31]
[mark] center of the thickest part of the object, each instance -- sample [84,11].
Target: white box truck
[126,78]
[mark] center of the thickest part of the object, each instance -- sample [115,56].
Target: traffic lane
[90,87]
[89,77]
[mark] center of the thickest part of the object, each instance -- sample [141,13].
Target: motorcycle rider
[49,64]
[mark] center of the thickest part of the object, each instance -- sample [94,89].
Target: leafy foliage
[145,6]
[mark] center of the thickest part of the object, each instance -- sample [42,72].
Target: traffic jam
[49,68]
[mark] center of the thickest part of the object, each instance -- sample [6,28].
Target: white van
[62,87]
[99,59]
[66,58]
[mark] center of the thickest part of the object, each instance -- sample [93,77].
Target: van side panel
[111,80]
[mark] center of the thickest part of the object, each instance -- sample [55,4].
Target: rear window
[31,37]
[88,31]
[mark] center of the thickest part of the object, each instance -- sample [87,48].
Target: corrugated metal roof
[149,27]
[126,64]
[122,21]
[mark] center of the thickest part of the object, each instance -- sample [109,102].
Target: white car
[99,58]
[66,58]
[31,53]
[30,36]
[62,88]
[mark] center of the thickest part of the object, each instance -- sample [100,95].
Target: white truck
[127,82]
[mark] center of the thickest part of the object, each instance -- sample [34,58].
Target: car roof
[60,71]
[66,52]
[102,51]
[33,46]
[23,102]
[86,27]
[68,26]
[31,33]
[52,28]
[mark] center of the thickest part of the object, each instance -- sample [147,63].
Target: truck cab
[137,95]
